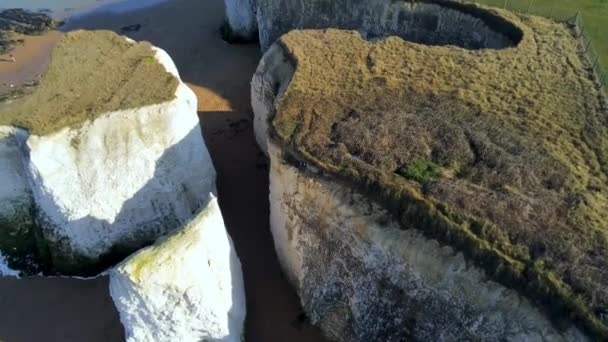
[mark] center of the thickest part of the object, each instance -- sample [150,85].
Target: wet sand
[220,75]
[57,309]
[32,59]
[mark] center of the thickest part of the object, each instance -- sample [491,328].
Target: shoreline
[67,10]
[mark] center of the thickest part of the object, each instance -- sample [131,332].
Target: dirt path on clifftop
[220,75]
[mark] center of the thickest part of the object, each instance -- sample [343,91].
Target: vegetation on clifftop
[91,72]
[519,137]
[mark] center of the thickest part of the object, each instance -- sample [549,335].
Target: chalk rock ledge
[186,287]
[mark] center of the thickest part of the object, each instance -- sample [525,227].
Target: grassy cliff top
[502,154]
[91,72]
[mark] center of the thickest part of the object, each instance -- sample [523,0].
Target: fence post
[529,5]
[587,45]
[505,5]
[551,13]
[597,59]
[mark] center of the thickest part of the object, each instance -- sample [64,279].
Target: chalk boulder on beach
[186,287]
[115,157]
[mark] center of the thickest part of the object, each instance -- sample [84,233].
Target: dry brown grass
[521,135]
[91,72]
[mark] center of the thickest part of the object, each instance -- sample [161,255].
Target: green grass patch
[421,171]
[149,59]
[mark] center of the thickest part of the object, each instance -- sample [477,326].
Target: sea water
[63,9]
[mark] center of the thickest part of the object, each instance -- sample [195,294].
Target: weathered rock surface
[433,22]
[413,196]
[363,278]
[114,165]
[121,181]
[186,287]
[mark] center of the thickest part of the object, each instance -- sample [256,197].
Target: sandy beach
[220,75]
[31,60]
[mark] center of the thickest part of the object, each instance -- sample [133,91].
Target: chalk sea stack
[104,157]
[187,287]
[435,187]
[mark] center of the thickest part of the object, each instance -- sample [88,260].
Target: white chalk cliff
[419,21]
[125,178]
[186,287]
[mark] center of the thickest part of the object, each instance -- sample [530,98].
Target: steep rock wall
[433,22]
[119,182]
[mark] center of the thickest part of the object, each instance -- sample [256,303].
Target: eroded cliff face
[361,277]
[428,22]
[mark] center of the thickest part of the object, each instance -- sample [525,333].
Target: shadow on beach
[57,309]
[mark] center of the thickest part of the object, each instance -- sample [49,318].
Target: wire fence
[557,13]
[589,50]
